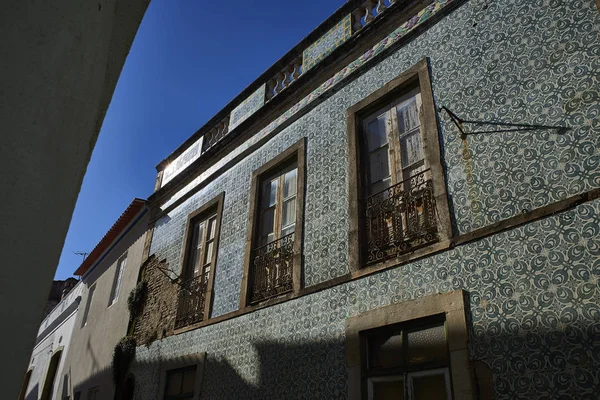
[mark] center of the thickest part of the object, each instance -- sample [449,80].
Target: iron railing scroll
[400,218]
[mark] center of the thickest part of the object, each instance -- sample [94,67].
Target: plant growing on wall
[135,301]
[123,356]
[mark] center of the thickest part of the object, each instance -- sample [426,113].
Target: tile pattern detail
[183,161]
[400,33]
[247,107]
[526,61]
[535,320]
[330,41]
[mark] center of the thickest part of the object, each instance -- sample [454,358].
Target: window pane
[196,247]
[386,350]
[174,383]
[381,185]
[412,148]
[290,186]
[269,194]
[212,223]
[427,345]
[289,212]
[189,380]
[379,165]
[432,387]
[288,230]
[268,222]
[208,254]
[408,116]
[391,390]
[376,134]
[120,277]
[88,305]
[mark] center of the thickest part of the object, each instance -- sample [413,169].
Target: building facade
[404,206]
[108,275]
[58,291]
[46,365]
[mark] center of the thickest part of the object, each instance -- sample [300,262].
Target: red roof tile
[132,210]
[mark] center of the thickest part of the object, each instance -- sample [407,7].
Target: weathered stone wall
[157,318]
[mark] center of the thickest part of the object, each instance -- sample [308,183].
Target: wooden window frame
[181,370]
[188,360]
[204,211]
[416,76]
[452,305]
[296,151]
[279,173]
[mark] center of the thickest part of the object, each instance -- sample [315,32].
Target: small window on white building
[116,286]
[88,305]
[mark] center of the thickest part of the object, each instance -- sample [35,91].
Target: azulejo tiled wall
[513,62]
[527,62]
[331,40]
[533,295]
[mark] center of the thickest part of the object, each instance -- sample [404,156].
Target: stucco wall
[54,334]
[60,64]
[90,355]
[533,290]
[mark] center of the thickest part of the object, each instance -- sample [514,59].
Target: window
[273,260]
[116,287]
[88,304]
[181,377]
[93,393]
[277,218]
[408,350]
[394,143]
[398,201]
[407,362]
[48,387]
[201,249]
[198,262]
[180,383]
[77,395]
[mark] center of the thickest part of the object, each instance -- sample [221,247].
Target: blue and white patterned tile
[536,287]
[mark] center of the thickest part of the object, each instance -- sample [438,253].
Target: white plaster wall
[60,64]
[58,337]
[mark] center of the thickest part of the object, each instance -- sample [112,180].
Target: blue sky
[188,60]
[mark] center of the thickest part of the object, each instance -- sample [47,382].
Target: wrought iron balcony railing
[400,218]
[191,301]
[272,269]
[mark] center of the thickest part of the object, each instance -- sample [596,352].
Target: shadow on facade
[531,362]
[102,379]
[33,393]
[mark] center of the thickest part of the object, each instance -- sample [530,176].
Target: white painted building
[52,343]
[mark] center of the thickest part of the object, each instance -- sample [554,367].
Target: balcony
[272,269]
[400,218]
[191,301]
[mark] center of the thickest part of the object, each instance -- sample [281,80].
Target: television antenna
[82,254]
